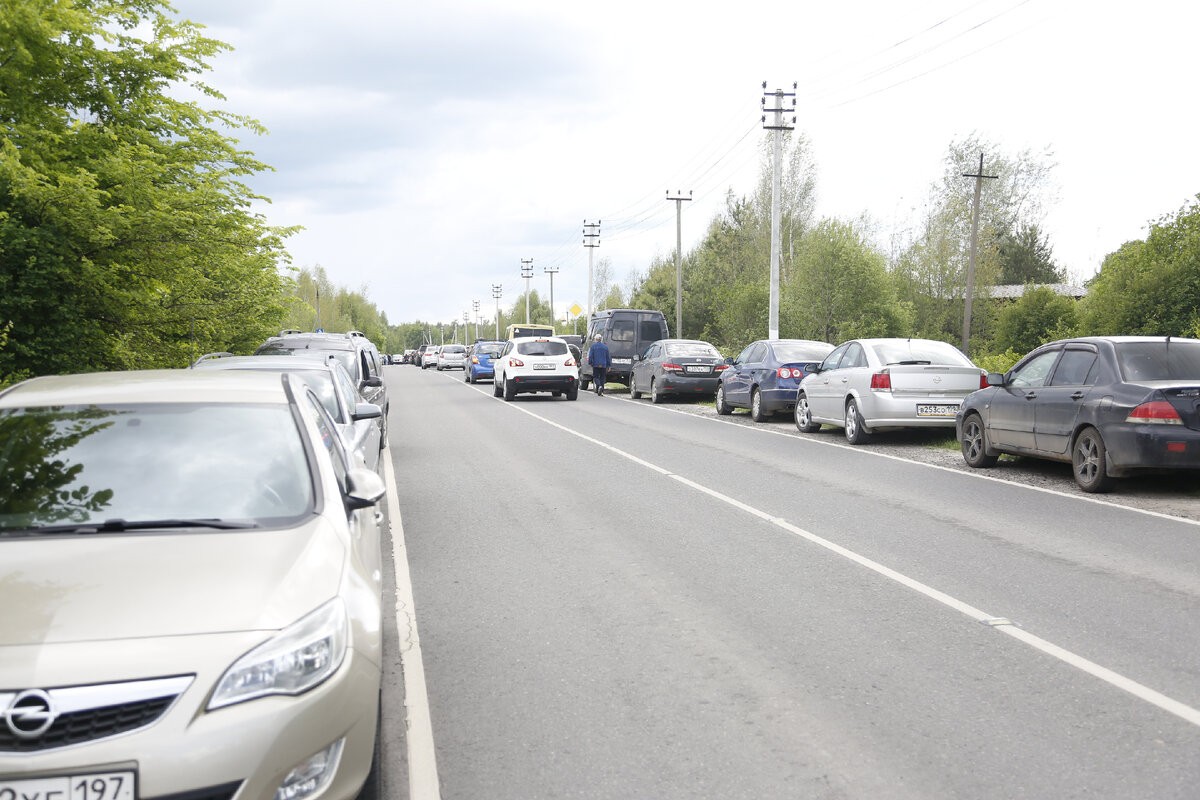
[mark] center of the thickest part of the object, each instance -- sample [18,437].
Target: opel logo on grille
[30,714]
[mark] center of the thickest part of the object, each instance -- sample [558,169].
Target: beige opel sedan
[190,580]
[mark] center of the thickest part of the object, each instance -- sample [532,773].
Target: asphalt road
[618,600]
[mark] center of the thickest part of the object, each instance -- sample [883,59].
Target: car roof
[326,341]
[298,361]
[148,386]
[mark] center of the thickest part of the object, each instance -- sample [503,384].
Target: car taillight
[515,362]
[788,372]
[667,367]
[1156,412]
[720,367]
[570,362]
[983,384]
[474,359]
[881,381]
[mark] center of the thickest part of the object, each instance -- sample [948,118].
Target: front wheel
[804,420]
[583,383]
[974,443]
[723,408]
[855,433]
[1089,461]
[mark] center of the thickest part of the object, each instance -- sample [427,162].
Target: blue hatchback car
[479,360]
[764,376]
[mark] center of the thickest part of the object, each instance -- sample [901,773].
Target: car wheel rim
[974,438]
[802,415]
[1088,462]
[756,404]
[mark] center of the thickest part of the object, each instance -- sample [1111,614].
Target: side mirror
[728,362]
[366,411]
[995,379]
[373,382]
[364,488]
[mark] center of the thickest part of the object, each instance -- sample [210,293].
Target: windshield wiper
[117,525]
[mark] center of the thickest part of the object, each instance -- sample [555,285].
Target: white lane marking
[976,474]
[422,758]
[1142,692]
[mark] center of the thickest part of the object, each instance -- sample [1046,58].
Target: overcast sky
[428,148]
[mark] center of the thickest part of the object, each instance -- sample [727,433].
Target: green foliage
[999,362]
[126,235]
[1150,287]
[1037,317]
[1026,257]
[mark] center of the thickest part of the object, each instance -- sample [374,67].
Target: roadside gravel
[1175,494]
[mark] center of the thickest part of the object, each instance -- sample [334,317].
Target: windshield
[699,349]
[1159,361]
[91,464]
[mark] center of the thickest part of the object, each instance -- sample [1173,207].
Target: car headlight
[295,660]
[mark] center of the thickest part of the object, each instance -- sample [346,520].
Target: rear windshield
[920,352]
[799,351]
[700,349]
[488,349]
[454,348]
[1159,361]
[543,347]
[173,461]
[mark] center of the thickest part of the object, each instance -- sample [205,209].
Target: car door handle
[1031,395]
[1077,395]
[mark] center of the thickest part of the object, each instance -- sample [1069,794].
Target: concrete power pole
[475,308]
[591,240]
[779,125]
[527,274]
[970,293]
[497,293]
[679,201]
[550,271]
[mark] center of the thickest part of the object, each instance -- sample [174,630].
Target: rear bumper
[544,383]
[882,410]
[776,400]
[689,384]
[1152,446]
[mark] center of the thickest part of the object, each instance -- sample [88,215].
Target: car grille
[83,713]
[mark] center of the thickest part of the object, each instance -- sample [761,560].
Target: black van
[627,332]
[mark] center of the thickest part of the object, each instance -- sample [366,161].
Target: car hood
[99,587]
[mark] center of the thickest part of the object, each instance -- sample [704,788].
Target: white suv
[536,364]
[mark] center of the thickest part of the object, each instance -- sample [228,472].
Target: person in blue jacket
[598,356]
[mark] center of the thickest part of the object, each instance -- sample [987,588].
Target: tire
[467,376]
[656,396]
[804,420]
[510,390]
[756,409]
[497,387]
[383,433]
[573,392]
[584,383]
[633,392]
[974,443]
[1089,462]
[854,424]
[723,408]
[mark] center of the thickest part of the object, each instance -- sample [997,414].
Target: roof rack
[290,331]
[208,356]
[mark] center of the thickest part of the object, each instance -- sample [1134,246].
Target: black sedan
[676,366]
[1106,404]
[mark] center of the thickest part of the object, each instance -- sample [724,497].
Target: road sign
[575,309]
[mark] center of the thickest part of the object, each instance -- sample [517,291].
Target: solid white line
[1181,710]
[422,759]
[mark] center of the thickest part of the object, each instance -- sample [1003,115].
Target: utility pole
[679,201]
[527,274]
[779,125]
[475,307]
[591,240]
[497,293]
[318,309]
[550,271]
[466,322]
[979,176]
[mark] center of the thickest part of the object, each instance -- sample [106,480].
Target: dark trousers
[599,374]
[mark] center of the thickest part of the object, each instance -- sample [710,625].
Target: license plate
[87,786]
[696,368]
[937,411]
[543,366]
[622,360]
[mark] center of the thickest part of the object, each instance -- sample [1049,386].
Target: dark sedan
[765,376]
[676,366]
[1107,404]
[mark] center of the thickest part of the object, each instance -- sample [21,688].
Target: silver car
[868,385]
[452,356]
[190,569]
[359,423]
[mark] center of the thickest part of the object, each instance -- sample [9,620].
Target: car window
[1077,367]
[622,330]
[855,356]
[833,359]
[920,351]
[487,350]
[349,392]
[758,353]
[542,347]
[650,330]
[1035,371]
[1159,361]
[698,349]
[152,461]
[801,351]
[331,441]
[321,382]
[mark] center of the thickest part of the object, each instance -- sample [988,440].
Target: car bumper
[544,383]
[688,384]
[1152,446]
[250,745]
[881,411]
[776,400]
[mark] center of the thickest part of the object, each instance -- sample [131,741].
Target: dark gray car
[676,366]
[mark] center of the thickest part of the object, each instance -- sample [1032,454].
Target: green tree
[1150,287]
[1037,317]
[126,231]
[1026,257]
